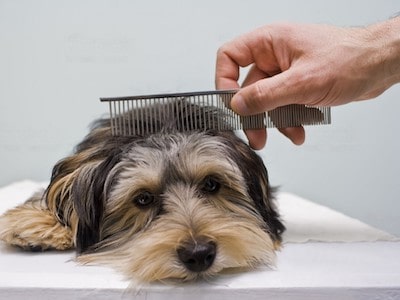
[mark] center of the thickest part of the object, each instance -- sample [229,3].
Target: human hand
[315,65]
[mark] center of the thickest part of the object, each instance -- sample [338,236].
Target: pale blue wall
[57,59]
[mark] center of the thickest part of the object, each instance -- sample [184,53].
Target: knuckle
[223,50]
[220,51]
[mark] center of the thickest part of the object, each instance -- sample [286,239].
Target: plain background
[58,57]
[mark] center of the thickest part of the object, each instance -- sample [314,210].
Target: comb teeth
[142,115]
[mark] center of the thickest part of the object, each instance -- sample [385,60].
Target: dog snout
[197,255]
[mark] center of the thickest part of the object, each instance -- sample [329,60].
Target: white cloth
[307,221]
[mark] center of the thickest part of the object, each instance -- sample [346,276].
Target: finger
[226,73]
[296,134]
[257,138]
[269,93]
[254,75]
[230,57]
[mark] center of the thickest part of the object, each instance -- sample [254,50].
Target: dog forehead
[172,147]
[184,156]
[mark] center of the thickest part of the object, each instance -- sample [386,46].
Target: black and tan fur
[170,205]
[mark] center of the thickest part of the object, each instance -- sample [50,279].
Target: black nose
[197,256]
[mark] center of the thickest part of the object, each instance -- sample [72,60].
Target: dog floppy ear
[262,193]
[88,196]
[258,187]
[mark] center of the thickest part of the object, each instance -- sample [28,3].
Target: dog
[170,205]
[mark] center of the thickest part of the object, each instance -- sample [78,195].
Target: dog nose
[197,256]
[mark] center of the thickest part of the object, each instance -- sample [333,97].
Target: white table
[327,262]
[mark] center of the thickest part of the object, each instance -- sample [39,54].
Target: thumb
[266,94]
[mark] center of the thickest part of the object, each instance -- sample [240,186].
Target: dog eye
[210,185]
[144,199]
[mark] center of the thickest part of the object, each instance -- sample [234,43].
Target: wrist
[386,39]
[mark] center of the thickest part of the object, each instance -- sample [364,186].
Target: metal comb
[141,115]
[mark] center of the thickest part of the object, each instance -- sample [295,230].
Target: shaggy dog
[172,204]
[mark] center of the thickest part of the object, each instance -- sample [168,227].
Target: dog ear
[88,196]
[258,187]
[256,176]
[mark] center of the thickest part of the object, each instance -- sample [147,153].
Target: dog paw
[34,228]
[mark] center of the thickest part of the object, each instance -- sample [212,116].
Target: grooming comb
[141,115]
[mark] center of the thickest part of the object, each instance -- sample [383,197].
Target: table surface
[361,263]
[369,270]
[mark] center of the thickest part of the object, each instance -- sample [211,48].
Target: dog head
[178,206]
[169,205]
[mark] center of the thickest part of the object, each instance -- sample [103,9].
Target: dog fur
[168,205]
